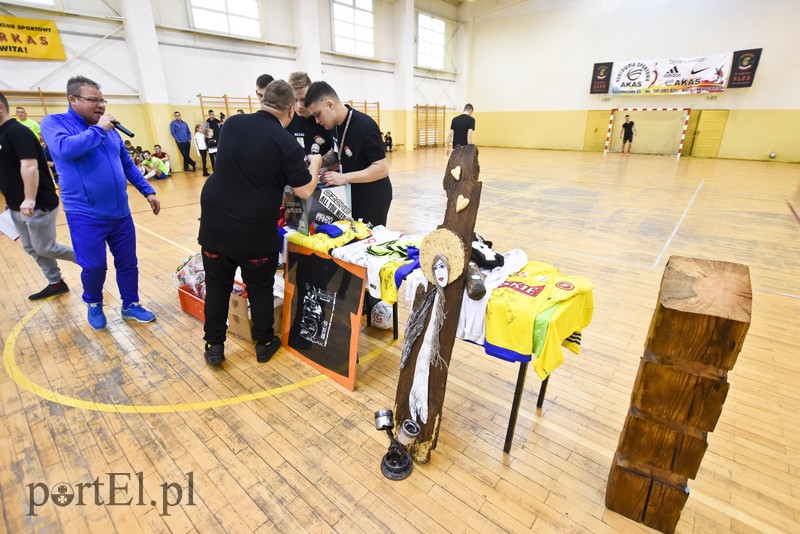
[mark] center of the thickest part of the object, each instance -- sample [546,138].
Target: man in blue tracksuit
[93,167]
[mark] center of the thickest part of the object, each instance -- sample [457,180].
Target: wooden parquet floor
[277,448]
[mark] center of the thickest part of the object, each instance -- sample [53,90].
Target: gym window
[430,41]
[353,27]
[236,17]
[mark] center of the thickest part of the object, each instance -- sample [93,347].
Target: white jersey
[472,321]
[415,279]
[356,253]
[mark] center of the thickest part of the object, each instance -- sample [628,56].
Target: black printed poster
[323,312]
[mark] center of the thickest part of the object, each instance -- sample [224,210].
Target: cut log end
[714,288]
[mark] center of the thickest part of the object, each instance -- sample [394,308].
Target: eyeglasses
[93,100]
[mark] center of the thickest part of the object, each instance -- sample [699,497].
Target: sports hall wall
[149,61]
[531,67]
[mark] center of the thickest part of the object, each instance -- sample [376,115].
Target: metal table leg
[394,320]
[512,421]
[542,391]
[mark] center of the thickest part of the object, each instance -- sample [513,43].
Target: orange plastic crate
[191,304]
[194,305]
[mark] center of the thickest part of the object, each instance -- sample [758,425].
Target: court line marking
[677,226]
[796,216]
[598,257]
[173,243]
[25,382]
[777,293]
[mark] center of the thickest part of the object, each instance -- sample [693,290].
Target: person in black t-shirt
[214,123]
[362,156]
[311,136]
[239,215]
[628,129]
[305,129]
[31,196]
[461,129]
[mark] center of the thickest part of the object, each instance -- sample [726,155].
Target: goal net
[659,131]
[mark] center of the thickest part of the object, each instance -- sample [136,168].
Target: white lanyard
[340,143]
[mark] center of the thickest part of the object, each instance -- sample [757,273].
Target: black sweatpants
[258,273]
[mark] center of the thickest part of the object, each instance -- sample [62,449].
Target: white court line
[597,257]
[777,293]
[675,230]
[173,243]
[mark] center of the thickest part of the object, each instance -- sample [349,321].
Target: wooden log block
[648,443]
[626,492]
[679,396]
[640,495]
[703,312]
[695,336]
[664,506]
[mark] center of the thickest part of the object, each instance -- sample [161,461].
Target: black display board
[322,312]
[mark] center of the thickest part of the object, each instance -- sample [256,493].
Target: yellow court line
[25,382]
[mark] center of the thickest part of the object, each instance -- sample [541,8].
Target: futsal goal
[659,131]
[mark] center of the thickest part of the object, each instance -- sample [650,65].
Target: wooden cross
[462,185]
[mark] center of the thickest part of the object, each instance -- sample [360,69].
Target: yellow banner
[30,39]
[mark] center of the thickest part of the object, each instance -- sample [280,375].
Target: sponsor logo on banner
[704,74]
[745,63]
[29,39]
[631,77]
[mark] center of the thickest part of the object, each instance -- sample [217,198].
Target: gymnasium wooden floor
[276,448]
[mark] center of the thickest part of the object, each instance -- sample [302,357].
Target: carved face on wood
[441,270]
[444,246]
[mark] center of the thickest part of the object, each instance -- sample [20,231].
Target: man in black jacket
[239,217]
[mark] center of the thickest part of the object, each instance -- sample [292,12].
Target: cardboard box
[239,305]
[240,326]
[240,323]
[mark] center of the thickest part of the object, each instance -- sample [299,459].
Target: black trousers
[203,154]
[258,273]
[187,159]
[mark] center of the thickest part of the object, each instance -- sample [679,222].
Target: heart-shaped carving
[456,172]
[461,203]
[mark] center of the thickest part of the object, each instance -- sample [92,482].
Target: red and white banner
[673,76]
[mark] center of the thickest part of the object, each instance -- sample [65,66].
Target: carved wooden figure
[463,187]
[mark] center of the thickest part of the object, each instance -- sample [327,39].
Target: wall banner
[743,71]
[672,76]
[601,75]
[30,39]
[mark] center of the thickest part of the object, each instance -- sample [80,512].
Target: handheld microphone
[315,148]
[122,129]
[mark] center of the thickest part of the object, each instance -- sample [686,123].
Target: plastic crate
[195,306]
[191,304]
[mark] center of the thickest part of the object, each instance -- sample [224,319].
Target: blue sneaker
[96,317]
[136,311]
